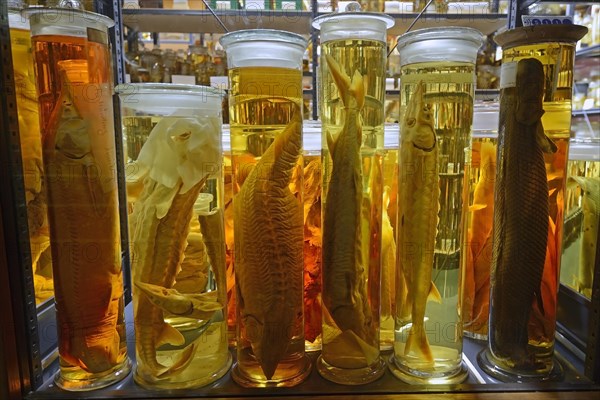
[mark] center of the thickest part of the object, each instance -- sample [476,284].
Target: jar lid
[264,48]
[458,44]
[353,25]
[65,21]
[164,88]
[540,33]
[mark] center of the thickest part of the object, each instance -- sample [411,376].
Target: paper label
[508,75]
[531,20]
[183,79]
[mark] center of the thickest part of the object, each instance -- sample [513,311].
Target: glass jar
[436,112]
[74,75]
[175,191]
[478,209]
[31,152]
[265,108]
[535,123]
[351,99]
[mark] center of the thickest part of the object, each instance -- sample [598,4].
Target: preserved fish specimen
[269,267]
[436,114]
[31,154]
[537,74]
[521,216]
[265,109]
[74,85]
[344,280]
[418,207]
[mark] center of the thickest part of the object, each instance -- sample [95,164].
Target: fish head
[418,125]
[530,90]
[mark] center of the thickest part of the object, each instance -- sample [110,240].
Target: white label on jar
[508,75]
[183,79]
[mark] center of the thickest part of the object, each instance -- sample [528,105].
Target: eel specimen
[84,230]
[268,234]
[418,205]
[344,275]
[520,215]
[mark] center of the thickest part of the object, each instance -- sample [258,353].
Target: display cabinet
[28,350]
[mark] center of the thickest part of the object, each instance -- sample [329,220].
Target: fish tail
[418,344]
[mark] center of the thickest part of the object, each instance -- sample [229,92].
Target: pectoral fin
[547,145]
[170,335]
[434,294]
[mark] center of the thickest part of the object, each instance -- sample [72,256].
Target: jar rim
[570,33]
[128,89]
[52,11]
[352,15]
[453,32]
[257,35]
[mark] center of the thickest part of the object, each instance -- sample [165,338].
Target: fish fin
[330,143]
[477,207]
[434,294]
[418,344]
[547,145]
[170,335]
[342,80]
[357,89]
[181,363]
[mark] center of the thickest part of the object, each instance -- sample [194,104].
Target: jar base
[244,381]
[490,366]
[190,384]
[348,376]
[89,381]
[452,377]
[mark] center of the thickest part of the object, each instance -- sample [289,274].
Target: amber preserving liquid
[480,178]
[74,82]
[350,350]
[31,153]
[448,91]
[557,60]
[263,102]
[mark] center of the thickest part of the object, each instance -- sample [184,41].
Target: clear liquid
[448,90]
[205,339]
[339,349]
[263,102]
[83,212]
[581,225]
[31,153]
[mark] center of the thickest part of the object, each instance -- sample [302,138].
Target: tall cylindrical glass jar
[175,191]
[351,98]
[31,152]
[265,109]
[73,71]
[534,130]
[436,112]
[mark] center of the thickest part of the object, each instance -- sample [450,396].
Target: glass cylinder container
[581,215]
[31,152]
[351,99]
[265,109]
[312,237]
[175,194]
[436,112]
[73,71]
[478,209]
[534,129]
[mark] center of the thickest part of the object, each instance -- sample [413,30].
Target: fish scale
[520,216]
[268,233]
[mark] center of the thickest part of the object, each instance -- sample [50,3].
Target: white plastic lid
[170,99]
[440,44]
[264,48]
[202,204]
[15,19]
[353,25]
[485,117]
[65,21]
[584,150]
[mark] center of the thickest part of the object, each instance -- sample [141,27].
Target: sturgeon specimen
[418,206]
[268,234]
[520,215]
[84,231]
[158,242]
[344,275]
